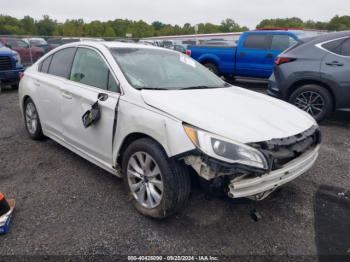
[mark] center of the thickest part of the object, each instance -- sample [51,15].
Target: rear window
[345,48]
[334,46]
[257,41]
[282,42]
[61,62]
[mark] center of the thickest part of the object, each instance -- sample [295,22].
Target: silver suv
[314,75]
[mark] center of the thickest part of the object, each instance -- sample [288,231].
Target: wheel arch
[209,59]
[303,82]
[130,138]
[24,99]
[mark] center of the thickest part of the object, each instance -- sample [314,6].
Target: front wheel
[313,99]
[158,186]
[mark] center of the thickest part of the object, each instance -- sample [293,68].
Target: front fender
[164,129]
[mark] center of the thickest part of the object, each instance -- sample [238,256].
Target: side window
[345,48]
[282,42]
[112,84]
[257,41]
[61,62]
[22,44]
[334,46]
[44,67]
[89,68]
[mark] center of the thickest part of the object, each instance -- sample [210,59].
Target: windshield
[161,69]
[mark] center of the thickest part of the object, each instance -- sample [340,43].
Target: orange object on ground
[4,205]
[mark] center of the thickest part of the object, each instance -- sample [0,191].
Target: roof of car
[113,44]
[333,35]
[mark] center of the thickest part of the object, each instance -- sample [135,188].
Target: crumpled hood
[234,112]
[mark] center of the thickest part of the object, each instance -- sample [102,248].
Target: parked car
[10,67]
[158,115]
[38,42]
[314,75]
[253,56]
[179,48]
[28,54]
[58,41]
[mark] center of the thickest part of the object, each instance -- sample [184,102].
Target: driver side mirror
[8,45]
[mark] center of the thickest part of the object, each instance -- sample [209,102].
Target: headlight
[18,59]
[224,149]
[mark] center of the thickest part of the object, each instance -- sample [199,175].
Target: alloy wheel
[31,118]
[311,102]
[145,179]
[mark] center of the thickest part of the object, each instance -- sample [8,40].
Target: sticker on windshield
[187,60]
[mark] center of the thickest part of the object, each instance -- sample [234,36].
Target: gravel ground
[68,206]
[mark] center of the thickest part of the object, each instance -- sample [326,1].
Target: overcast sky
[245,12]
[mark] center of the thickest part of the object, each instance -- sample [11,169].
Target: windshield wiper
[203,87]
[151,88]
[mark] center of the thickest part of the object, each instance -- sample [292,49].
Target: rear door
[54,71]
[335,68]
[90,79]
[251,55]
[278,44]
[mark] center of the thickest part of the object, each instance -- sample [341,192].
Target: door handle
[102,97]
[36,82]
[269,55]
[67,95]
[334,63]
[241,54]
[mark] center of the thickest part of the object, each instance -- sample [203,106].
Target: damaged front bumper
[258,188]
[238,182]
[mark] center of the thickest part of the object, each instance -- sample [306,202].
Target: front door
[90,80]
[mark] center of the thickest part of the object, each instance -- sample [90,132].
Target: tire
[174,176]
[212,67]
[321,105]
[32,120]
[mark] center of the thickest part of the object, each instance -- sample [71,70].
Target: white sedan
[159,116]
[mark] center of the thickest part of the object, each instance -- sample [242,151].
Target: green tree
[46,26]
[339,23]
[229,25]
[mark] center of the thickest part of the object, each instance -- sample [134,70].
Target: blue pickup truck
[253,56]
[10,67]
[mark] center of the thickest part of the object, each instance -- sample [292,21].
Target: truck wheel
[158,186]
[313,99]
[32,120]
[212,67]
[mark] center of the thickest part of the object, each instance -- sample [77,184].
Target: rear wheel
[313,99]
[32,120]
[158,186]
[212,67]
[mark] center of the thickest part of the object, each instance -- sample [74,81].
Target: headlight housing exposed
[224,149]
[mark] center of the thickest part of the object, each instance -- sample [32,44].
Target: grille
[282,151]
[5,63]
